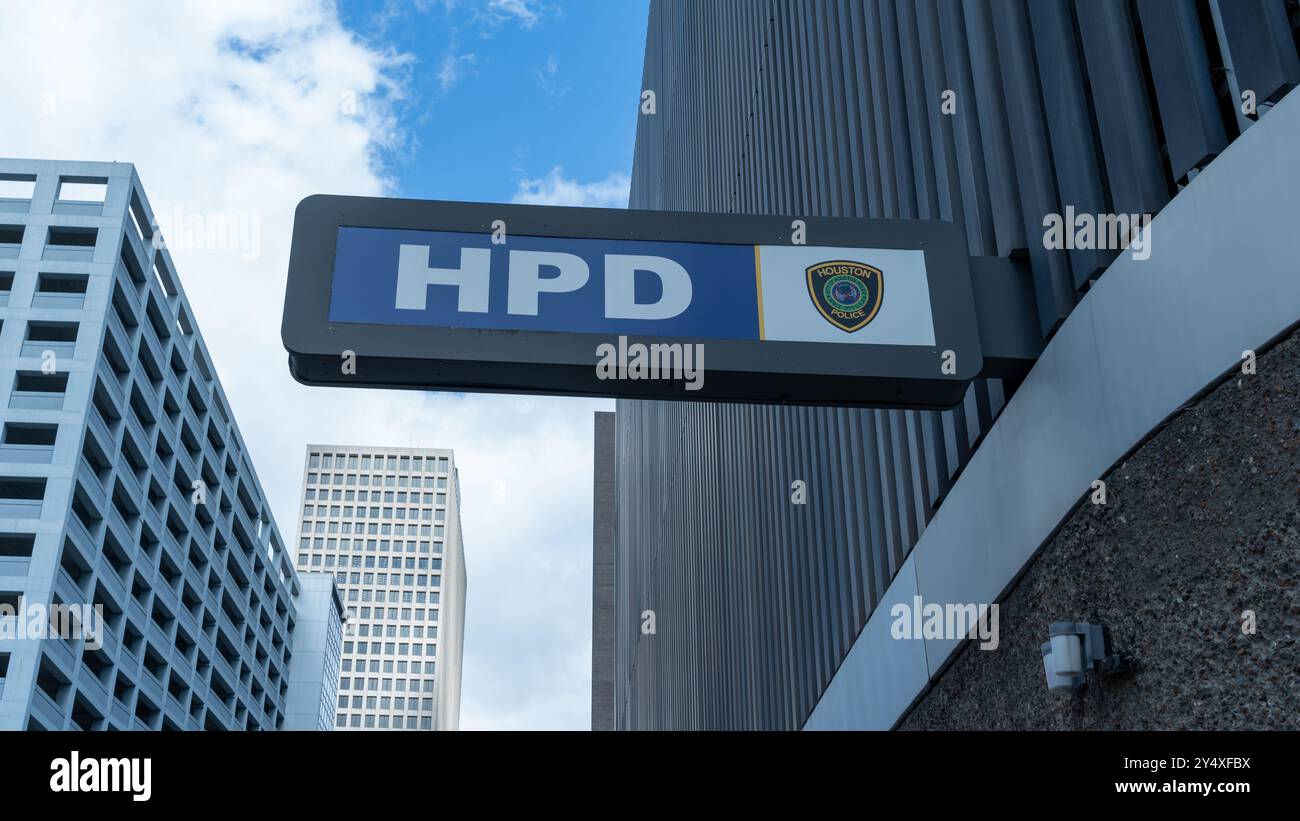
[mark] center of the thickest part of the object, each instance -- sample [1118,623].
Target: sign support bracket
[1009,332]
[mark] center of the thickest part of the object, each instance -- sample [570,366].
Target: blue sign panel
[393,293]
[461,280]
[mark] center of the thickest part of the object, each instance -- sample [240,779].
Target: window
[60,338]
[17,186]
[81,190]
[67,237]
[163,275]
[61,284]
[15,555]
[22,433]
[11,238]
[139,220]
[21,496]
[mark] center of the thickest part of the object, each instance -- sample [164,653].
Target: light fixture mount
[1076,648]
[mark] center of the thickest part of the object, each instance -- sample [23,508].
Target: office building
[124,481]
[774,613]
[386,523]
[317,652]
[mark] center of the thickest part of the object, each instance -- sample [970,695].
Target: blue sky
[499,95]
[248,106]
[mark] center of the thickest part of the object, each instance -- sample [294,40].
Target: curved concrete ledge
[1223,277]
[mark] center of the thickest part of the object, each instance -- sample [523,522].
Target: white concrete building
[386,523]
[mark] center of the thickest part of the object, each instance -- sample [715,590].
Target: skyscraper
[386,523]
[773,543]
[317,653]
[125,484]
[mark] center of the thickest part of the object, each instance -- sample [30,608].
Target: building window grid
[187,400]
[394,550]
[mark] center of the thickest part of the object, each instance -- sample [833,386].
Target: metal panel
[1262,47]
[1180,69]
[1038,195]
[805,108]
[868,695]
[990,104]
[1136,179]
[1069,122]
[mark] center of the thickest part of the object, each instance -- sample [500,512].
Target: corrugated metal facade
[834,108]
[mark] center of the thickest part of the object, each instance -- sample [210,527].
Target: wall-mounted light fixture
[1074,649]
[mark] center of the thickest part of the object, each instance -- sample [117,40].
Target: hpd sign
[612,302]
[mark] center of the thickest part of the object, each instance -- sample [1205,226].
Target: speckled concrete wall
[1200,523]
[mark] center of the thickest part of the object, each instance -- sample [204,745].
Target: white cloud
[556,189]
[449,70]
[242,108]
[527,13]
[526,474]
[547,77]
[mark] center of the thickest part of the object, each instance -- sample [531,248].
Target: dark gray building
[772,543]
[604,636]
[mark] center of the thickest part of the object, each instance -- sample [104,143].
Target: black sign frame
[523,362]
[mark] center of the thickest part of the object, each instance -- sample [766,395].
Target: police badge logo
[847,293]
